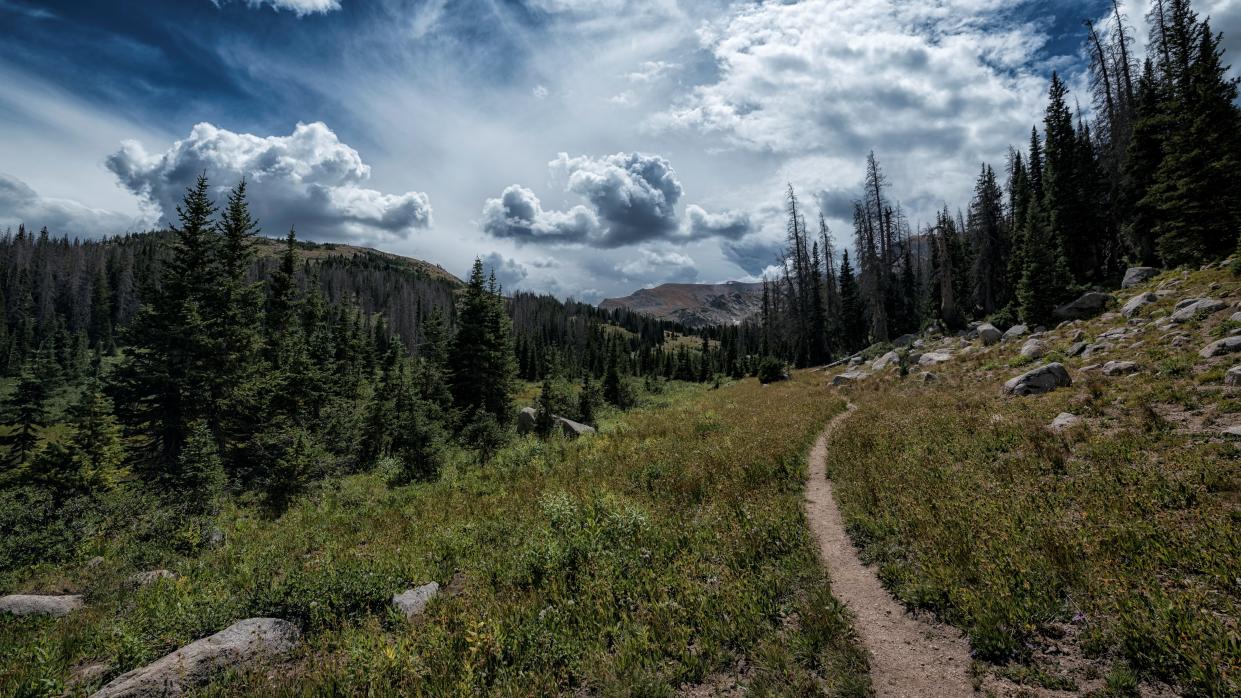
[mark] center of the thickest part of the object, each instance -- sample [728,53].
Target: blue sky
[585,147]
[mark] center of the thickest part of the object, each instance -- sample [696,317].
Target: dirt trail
[908,657]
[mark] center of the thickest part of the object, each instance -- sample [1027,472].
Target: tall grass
[1125,530]
[670,548]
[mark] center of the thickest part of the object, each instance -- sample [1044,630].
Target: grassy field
[1088,559]
[670,550]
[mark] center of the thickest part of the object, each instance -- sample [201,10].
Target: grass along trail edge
[908,657]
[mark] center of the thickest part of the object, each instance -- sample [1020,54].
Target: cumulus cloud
[661,265]
[308,179]
[509,272]
[730,225]
[21,204]
[519,215]
[298,7]
[937,86]
[633,194]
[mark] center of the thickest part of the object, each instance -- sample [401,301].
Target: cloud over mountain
[19,204]
[308,179]
[632,200]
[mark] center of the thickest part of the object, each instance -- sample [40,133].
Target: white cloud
[661,265]
[308,179]
[934,88]
[298,7]
[20,204]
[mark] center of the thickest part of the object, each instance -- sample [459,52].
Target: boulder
[932,358]
[1134,305]
[1235,317]
[848,377]
[573,429]
[198,662]
[144,578]
[1088,305]
[989,334]
[855,361]
[1077,336]
[1076,349]
[1223,347]
[414,601]
[1034,349]
[1043,379]
[1188,309]
[1119,368]
[1233,377]
[526,420]
[40,604]
[904,340]
[1064,420]
[1138,275]
[886,361]
[1016,331]
[927,377]
[1100,348]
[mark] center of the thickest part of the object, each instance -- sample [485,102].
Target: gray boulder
[904,340]
[848,377]
[526,420]
[1188,309]
[932,358]
[1043,379]
[1134,305]
[1233,377]
[1093,349]
[855,361]
[414,601]
[1034,349]
[886,361]
[40,604]
[573,429]
[1223,347]
[989,334]
[927,377]
[1088,305]
[144,578]
[1016,331]
[1076,349]
[1138,275]
[241,643]
[1064,420]
[1119,368]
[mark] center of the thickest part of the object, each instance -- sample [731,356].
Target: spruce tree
[27,414]
[544,422]
[482,361]
[96,449]
[852,317]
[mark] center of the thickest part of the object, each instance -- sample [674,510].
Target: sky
[584,148]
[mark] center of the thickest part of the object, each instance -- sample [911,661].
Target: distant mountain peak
[694,305]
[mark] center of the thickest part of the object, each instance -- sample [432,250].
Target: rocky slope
[694,305]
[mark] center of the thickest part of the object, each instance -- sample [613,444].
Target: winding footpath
[908,657]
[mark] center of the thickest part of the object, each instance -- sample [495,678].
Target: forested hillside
[1154,178]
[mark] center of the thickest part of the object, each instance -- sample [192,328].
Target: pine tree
[853,319]
[101,314]
[482,359]
[96,450]
[166,381]
[544,422]
[197,481]
[586,400]
[27,414]
[1197,189]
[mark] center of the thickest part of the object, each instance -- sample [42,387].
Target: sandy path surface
[908,657]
